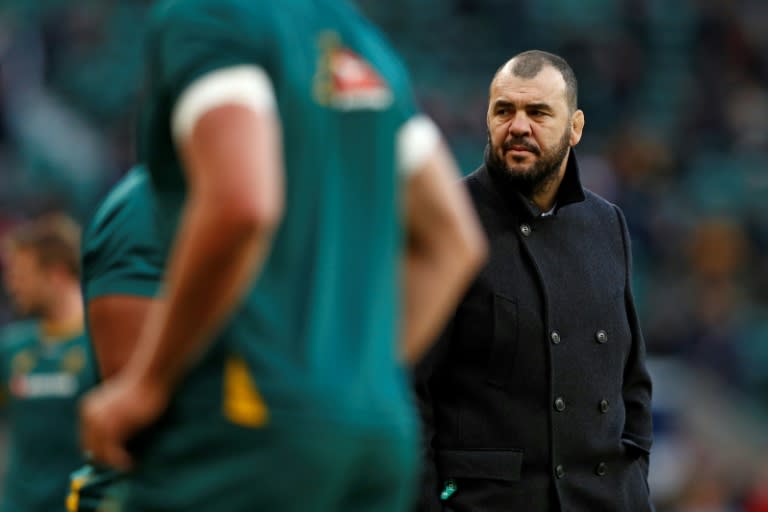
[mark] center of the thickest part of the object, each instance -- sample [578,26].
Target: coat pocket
[481,464]
[633,447]
[504,343]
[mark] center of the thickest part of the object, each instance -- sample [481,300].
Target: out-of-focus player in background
[318,223]
[44,362]
[122,271]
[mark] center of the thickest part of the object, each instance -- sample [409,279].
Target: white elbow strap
[417,139]
[245,85]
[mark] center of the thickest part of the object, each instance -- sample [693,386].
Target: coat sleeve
[638,430]
[430,488]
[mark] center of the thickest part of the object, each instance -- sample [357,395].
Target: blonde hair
[54,238]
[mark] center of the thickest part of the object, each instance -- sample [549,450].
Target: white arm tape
[245,85]
[417,140]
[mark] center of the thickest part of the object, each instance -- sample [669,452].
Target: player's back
[319,328]
[43,381]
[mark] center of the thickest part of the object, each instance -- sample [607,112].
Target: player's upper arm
[114,325]
[226,128]
[436,207]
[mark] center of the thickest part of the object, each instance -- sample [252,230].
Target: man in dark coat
[537,397]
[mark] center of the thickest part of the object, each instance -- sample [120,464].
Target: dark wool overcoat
[536,398]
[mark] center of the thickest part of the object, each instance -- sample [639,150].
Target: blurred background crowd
[675,94]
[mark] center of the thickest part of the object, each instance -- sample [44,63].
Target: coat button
[604,406]
[601,469]
[559,471]
[601,336]
[559,404]
[525,229]
[555,337]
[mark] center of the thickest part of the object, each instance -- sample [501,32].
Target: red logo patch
[347,81]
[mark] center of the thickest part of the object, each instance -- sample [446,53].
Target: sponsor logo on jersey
[44,385]
[346,81]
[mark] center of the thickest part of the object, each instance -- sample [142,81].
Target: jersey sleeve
[121,267]
[121,254]
[190,39]
[417,140]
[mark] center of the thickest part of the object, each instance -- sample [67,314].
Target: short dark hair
[528,64]
[54,238]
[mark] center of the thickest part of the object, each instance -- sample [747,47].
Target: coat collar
[570,191]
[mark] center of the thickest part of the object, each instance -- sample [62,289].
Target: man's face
[530,125]
[26,281]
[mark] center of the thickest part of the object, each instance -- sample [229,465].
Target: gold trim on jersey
[73,498]
[74,360]
[52,333]
[243,404]
[23,362]
[327,41]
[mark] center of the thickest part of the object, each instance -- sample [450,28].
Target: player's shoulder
[127,207]
[137,178]
[167,13]
[131,195]
[18,334]
[376,43]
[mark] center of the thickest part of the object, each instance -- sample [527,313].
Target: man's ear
[577,127]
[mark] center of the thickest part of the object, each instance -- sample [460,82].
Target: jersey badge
[346,81]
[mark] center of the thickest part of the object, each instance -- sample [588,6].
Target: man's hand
[114,412]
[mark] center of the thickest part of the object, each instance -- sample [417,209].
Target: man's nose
[520,125]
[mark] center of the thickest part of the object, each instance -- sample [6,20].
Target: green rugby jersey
[121,253]
[318,329]
[43,381]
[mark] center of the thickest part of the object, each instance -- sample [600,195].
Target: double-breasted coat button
[604,406]
[559,404]
[601,336]
[555,337]
[601,469]
[559,471]
[525,229]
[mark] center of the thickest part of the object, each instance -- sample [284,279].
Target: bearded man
[537,397]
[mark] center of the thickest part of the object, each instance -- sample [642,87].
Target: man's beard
[542,172]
